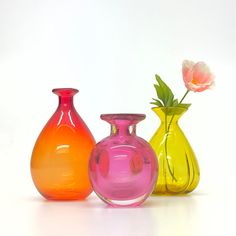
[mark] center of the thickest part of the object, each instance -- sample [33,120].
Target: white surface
[110,51]
[196,214]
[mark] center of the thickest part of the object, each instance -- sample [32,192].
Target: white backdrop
[110,51]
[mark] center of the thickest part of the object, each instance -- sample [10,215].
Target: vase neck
[66,102]
[123,124]
[169,116]
[123,130]
[65,98]
[170,120]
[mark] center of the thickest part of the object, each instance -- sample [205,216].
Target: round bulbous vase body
[59,162]
[178,167]
[123,167]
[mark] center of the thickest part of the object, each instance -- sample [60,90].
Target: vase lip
[171,108]
[65,92]
[132,117]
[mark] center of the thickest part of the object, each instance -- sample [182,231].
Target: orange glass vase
[59,163]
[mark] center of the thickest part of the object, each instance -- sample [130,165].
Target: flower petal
[187,66]
[197,77]
[201,73]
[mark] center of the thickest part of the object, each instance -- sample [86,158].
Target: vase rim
[65,92]
[123,116]
[172,108]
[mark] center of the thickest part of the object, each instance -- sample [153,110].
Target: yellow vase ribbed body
[178,167]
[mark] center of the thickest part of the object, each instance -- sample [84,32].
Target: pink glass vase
[123,167]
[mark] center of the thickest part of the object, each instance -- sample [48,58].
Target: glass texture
[178,166]
[123,167]
[59,163]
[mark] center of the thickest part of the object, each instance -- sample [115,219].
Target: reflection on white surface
[91,217]
[175,215]
[158,216]
[193,215]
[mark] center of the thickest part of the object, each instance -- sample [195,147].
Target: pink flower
[197,76]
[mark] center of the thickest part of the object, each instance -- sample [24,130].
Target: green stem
[167,134]
[179,103]
[184,96]
[167,160]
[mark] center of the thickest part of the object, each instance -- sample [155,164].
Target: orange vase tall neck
[59,163]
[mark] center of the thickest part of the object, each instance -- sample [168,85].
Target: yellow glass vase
[178,167]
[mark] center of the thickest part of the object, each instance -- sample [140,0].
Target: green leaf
[159,92]
[157,102]
[184,105]
[169,100]
[164,93]
[175,103]
[167,91]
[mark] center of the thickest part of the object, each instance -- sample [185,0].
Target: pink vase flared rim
[134,117]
